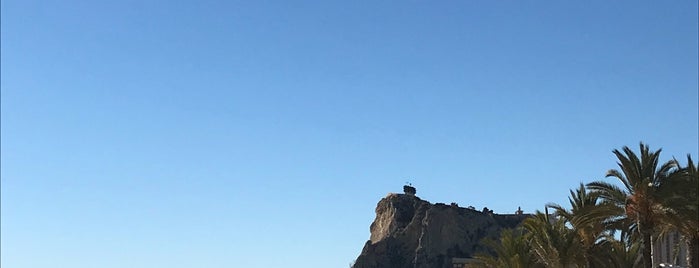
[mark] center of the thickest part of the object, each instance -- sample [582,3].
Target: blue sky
[262,133]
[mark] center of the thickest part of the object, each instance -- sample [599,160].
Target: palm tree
[642,181]
[552,243]
[623,254]
[587,217]
[511,251]
[681,208]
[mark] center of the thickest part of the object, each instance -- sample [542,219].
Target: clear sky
[262,133]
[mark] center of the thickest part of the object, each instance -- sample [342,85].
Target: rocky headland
[411,232]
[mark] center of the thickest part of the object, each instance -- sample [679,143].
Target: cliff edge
[411,232]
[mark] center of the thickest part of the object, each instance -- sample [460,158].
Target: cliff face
[410,232]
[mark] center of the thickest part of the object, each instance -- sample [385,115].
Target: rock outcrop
[411,232]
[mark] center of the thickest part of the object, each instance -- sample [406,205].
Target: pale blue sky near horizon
[263,133]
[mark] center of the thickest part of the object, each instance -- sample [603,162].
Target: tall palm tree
[642,179]
[587,217]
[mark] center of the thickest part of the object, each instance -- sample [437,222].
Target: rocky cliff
[411,232]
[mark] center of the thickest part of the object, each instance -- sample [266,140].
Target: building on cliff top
[409,189]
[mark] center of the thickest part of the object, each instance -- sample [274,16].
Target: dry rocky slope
[411,232]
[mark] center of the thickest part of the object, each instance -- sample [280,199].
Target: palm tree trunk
[693,252]
[646,248]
